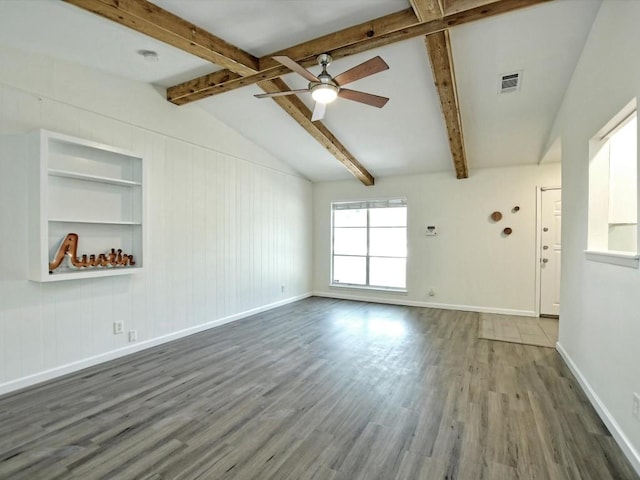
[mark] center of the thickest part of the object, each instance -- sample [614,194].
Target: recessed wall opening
[613,198]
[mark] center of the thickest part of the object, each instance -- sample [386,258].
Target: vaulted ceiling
[445,59]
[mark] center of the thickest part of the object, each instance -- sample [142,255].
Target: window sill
[401,291]
[621,259]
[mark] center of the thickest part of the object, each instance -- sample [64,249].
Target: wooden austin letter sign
[69,247]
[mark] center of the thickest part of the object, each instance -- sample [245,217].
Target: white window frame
[368,205]
[594,251]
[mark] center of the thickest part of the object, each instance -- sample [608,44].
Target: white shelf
[93,190]
[622,259]
[94,222]
[92,178]
[93,273]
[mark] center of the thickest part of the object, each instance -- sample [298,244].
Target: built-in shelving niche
[83,187]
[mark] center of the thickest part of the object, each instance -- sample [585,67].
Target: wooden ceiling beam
[426,17]
[304,53]
[441,60]
[454,6]
[309,50]
[439,50]
[147,18]
[223,81]
[427,10]
[301,114]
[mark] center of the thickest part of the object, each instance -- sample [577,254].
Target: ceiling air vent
[509,82]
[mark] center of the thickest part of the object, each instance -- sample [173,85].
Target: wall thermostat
[431,231]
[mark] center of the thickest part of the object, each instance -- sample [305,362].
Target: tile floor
[542,332]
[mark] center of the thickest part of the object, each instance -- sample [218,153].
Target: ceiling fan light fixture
[324,93]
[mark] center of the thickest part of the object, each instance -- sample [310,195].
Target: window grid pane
[388,242]
[350,218]
[350,241]
[388,272]
[349,270]
[388,217]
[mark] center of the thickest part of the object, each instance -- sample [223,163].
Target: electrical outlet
[133,335]
[635,410]
[118,328]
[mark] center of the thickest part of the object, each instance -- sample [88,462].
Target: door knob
[545,260]
[545,229]
[545,247]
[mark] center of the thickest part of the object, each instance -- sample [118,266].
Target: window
[370,244]
[613,198]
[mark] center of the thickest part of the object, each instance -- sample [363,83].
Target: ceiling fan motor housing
[324,60]
[326,90]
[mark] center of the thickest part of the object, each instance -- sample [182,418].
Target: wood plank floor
[319,389]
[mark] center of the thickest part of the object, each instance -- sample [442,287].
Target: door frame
[538,260]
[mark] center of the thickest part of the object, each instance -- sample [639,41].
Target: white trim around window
[369,245]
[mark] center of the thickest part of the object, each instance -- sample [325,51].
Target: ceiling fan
[324,88]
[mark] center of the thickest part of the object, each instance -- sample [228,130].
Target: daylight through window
[370,243]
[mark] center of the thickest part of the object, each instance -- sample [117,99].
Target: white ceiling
[265,26]
[407,136]
[544,43]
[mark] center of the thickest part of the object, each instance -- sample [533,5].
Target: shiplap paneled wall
[223,236]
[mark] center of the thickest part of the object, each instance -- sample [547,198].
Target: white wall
[470,263]
[600,308]
[227,224]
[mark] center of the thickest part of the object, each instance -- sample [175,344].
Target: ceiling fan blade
[279,94]
[318,111]
[366,98]
[299,69]
[375,65]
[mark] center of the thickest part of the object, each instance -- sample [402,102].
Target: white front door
[551,247]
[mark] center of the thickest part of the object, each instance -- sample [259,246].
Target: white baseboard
[618,434]
[398,300]
[135,347]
